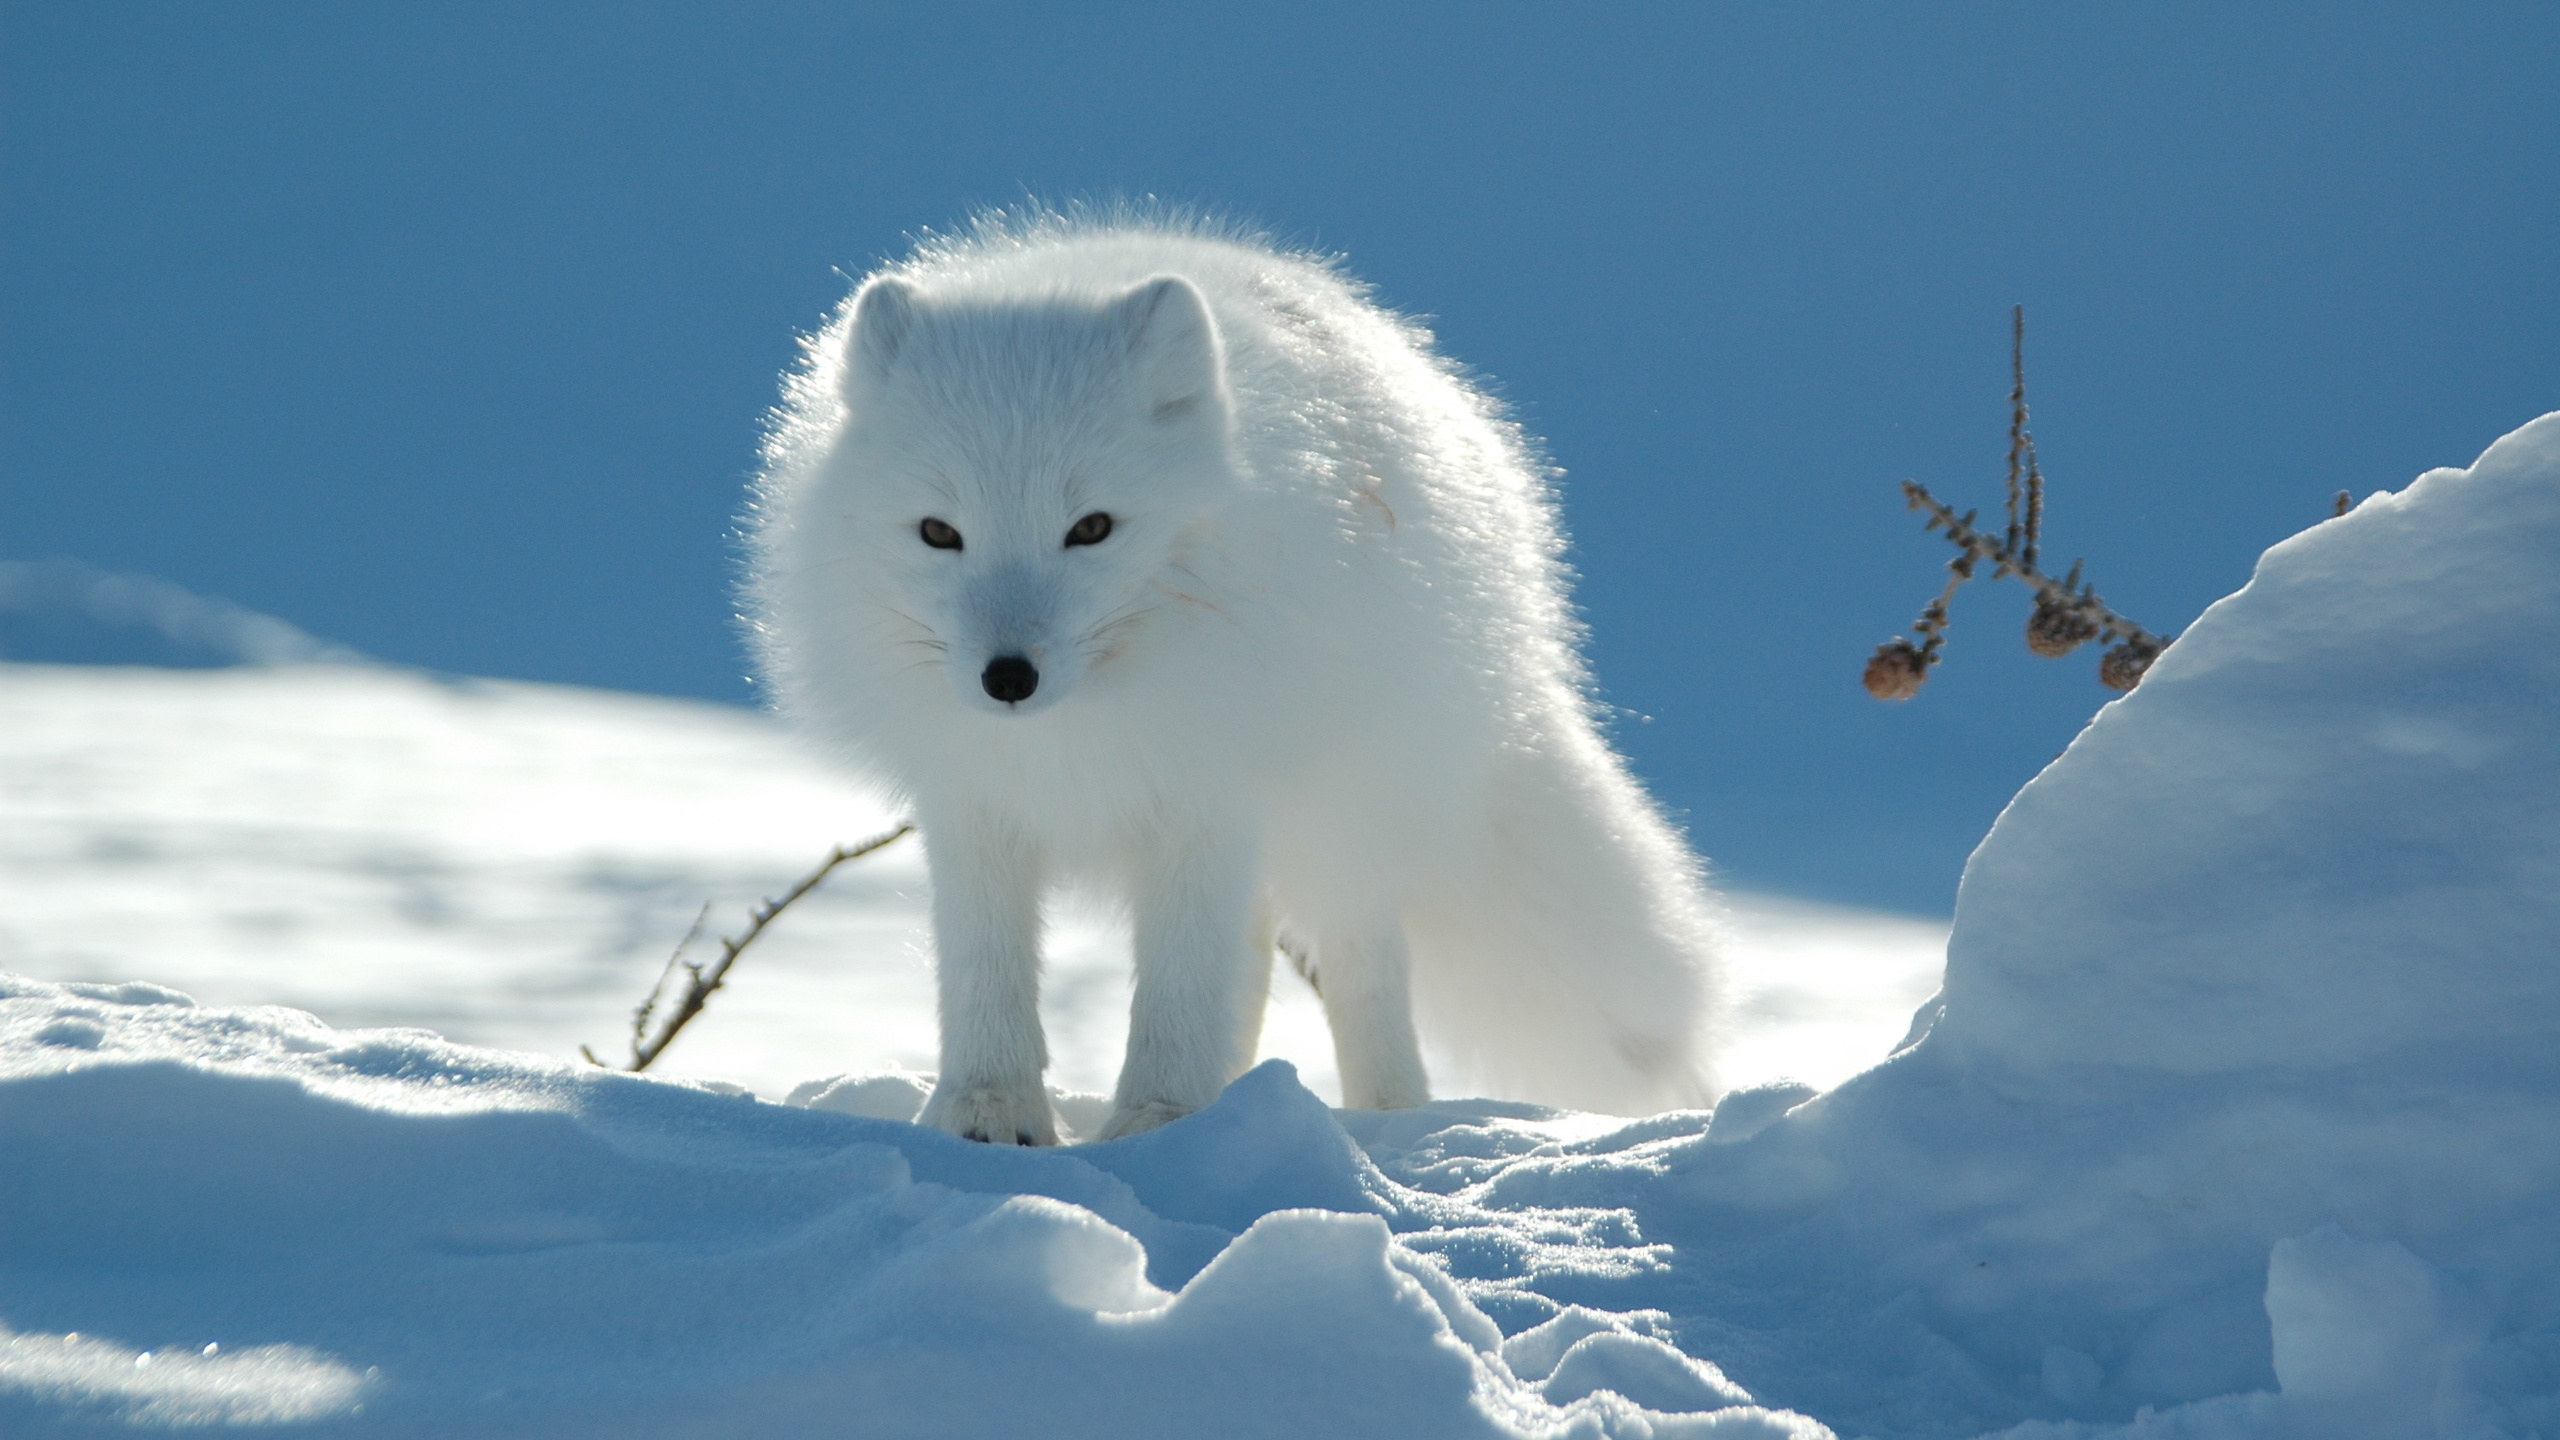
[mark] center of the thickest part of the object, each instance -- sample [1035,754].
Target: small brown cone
[1895,671]
[2122,667]
[2055,631]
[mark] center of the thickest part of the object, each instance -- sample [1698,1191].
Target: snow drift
[2238,1115]
[242,1217]
[2244,1082]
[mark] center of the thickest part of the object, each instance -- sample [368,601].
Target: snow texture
[461,1241]
[2238,1117]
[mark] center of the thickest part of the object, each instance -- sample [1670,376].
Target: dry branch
[701,979]
[2068,612]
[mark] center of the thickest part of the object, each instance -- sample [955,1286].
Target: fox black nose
[1009,678]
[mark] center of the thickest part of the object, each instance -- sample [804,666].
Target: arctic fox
[1141,555]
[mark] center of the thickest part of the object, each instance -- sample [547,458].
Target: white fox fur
[1318,684]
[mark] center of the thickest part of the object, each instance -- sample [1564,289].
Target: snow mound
[2243,1088]
[242,1216]
[2337,783]
[2238,1116]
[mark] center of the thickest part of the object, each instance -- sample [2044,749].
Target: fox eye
[939,534]
[1091,530]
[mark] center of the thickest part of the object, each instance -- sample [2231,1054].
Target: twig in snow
[701,979]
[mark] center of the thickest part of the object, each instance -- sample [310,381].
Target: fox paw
[1136,1119]
[998,1114]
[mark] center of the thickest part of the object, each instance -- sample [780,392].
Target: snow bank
[2245,1081]
[2239,1116]
[229,1217]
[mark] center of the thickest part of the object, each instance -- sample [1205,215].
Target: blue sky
[443,330]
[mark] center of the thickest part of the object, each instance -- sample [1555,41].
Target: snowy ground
[2240,1116]
[510,864]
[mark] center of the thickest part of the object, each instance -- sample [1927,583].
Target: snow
[509,865]
[2238,1115]
[465,1241]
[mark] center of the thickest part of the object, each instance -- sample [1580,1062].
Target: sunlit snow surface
[510,865]
[2240,1117]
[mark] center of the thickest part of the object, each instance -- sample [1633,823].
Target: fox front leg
[1195,943]
[1365,980]
[986,942]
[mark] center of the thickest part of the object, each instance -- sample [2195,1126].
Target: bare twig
[2068,613]
[702,979]
[2022,443]
[649,1005]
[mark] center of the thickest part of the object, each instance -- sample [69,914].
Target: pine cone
[1895,671]
[2122,668]
[2056,630]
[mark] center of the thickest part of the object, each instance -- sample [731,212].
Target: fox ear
[883,314]
[1173,342]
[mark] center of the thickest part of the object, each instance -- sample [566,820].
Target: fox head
[1021,475]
